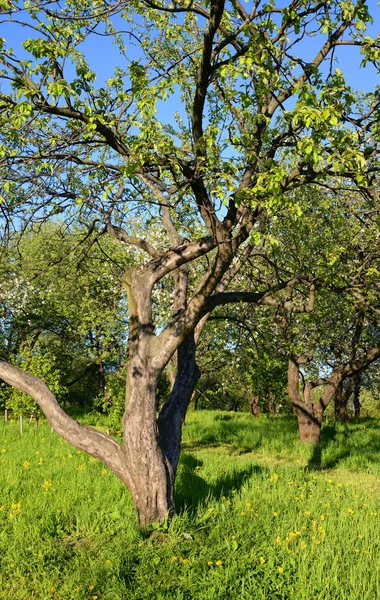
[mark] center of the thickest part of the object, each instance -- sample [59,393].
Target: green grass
[259,516]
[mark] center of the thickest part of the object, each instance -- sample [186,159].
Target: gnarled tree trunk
[152,491]
[309,414]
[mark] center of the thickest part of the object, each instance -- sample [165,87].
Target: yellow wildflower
[280,569]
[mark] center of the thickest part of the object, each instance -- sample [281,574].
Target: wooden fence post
[6,415]
[21,425]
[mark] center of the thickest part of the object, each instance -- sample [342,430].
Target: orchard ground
[258,516]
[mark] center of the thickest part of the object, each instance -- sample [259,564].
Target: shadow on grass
[192,490]
[328,435]
[344,441]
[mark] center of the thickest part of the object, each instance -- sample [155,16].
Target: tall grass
[258,517]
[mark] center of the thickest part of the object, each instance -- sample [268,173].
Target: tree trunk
[254,405]
[153,445]
[173,412]
[357,405]
[152,489]
[309,424]
[341,401]
[309,415]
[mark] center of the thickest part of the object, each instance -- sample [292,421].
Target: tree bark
[357,404]
[341,400]
[152,481]
[173,412]
[309,424]
[309,415]
[254,405]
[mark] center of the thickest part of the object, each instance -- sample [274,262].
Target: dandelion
[262,560]
[280,569]
[91,587]
[242,513]
[322,518]
[360,537]
[108,562]
[210,563]
[47,485]
[219,563]
[173,559]
[275,514]
[26,464]
[350,510]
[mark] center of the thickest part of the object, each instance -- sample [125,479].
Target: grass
[259,517]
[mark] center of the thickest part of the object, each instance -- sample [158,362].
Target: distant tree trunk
[271,403]
[254,405]
[309,414]
[357,385]
[342,397]
[341,404]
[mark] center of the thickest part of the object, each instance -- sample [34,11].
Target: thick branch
[85,438]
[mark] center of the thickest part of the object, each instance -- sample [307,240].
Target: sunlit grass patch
[262,522]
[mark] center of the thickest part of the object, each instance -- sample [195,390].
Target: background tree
[64,313]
